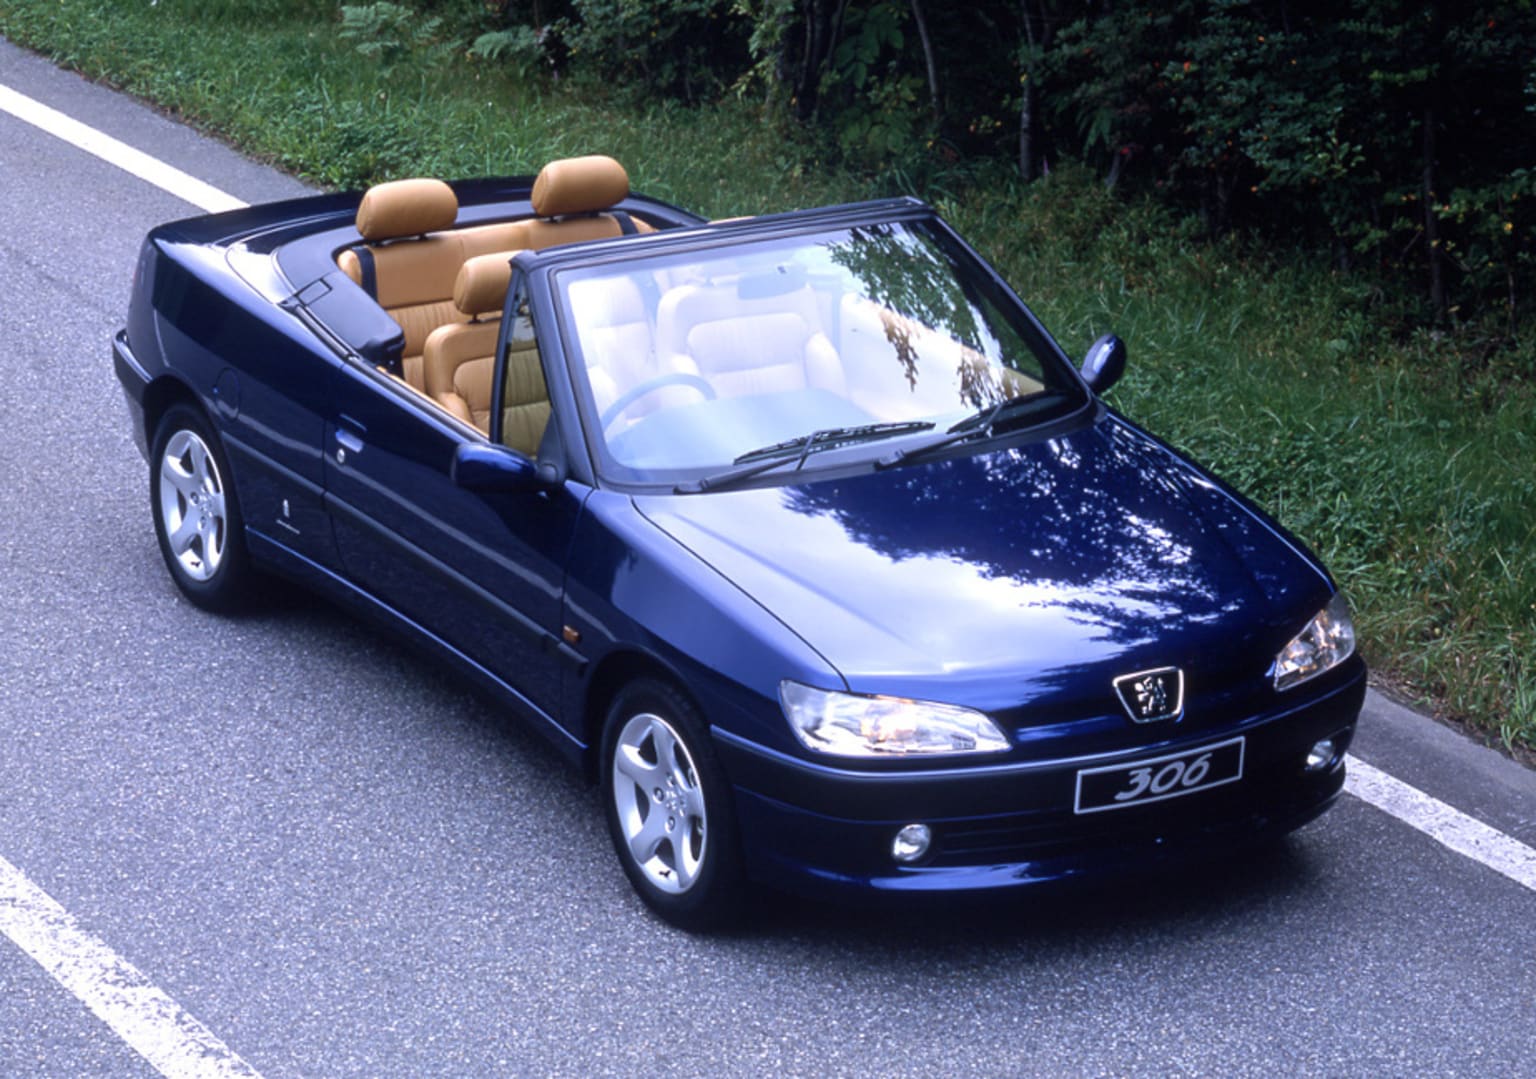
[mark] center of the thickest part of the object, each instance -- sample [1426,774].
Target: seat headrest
[400,208]
[481,287]
[579,185]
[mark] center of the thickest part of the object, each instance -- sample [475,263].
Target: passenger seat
[746,346]
[458,358]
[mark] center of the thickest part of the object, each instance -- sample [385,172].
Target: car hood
[1012,573]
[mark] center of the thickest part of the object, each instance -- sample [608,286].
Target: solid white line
[1451,827]
[144,1016]
[122,997]
[187,188]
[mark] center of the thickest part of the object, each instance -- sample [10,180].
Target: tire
[196,512]
[669,809]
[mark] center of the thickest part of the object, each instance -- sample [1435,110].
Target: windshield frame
[554,269]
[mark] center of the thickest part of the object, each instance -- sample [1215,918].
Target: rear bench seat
[415,254]
[411,254]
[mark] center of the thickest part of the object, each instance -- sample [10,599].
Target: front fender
[632,588]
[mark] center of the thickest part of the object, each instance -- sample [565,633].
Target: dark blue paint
[978,580]
[1104,363]
[1018,579]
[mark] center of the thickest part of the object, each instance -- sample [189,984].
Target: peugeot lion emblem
[1151,696]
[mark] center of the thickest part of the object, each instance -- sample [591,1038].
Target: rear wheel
[669,810]
[196,511]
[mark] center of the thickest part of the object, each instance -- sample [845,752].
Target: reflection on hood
[1018,566]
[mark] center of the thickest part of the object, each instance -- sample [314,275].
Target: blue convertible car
[798,532]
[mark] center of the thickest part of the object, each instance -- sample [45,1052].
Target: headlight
[855,725]
[1328,640]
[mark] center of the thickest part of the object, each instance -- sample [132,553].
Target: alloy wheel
[192,505]
[659,803]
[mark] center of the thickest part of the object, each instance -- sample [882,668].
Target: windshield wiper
[975,426]
[765,458]
[829,437]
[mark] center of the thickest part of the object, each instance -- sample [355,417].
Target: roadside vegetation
[1390,425]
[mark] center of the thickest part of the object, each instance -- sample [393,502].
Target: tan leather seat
[449,374]
[407,226]
[412,271]
[747,346]
[459,359]
[415,252]
[525,405]
[571,197]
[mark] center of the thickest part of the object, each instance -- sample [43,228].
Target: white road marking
[1449,826]
[141,1014]
[152,170]
[153,1024]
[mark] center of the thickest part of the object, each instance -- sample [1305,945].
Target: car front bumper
[824,830]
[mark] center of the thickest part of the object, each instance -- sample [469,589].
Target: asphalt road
[343,864]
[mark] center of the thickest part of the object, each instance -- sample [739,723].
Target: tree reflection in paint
[1096,518]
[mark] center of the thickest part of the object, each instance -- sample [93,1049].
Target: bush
[685,49]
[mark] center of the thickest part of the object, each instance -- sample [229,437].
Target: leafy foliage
[390,32]
[1389,136]
[872,101]
[521,47]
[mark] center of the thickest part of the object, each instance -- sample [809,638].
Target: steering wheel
[651,385]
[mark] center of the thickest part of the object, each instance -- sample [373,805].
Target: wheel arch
[164,393]
[613,672]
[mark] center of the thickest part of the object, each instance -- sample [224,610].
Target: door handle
[346,443]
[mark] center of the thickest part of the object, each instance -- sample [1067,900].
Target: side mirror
[1104,363]
[494,469]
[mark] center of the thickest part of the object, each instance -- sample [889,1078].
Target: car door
[482,571]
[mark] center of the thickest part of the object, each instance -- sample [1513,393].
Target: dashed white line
[1445,824]
[152,170]
[153,1024]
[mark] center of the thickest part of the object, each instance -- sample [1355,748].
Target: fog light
[911,843]
[1321,755]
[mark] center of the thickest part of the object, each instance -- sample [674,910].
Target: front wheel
[197,515]
[668,808]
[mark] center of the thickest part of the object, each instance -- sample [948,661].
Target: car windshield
[862,341]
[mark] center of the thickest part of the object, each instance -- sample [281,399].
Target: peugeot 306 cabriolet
[799,532]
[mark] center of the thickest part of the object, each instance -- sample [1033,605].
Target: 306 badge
[1119,786]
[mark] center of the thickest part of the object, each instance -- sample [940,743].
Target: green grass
[1406,458]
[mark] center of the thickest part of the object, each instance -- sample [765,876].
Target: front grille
[1212,815]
